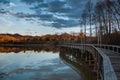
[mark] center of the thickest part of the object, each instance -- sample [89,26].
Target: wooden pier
[106,59]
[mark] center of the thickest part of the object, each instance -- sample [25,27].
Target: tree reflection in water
[71,59]
[17,49]
[36,63]
[74,60]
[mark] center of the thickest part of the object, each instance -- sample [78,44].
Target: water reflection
[34,63]
[74,60]
[7,49]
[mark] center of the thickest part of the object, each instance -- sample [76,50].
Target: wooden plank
[115,61]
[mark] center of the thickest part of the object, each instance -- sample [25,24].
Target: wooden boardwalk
[111,60]
[115,61]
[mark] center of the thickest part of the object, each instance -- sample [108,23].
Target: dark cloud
[57,6]
[46,17]
[43,5]
[70,8]
[58,23]
[47,9]
[32,1]
[3,11]
[4,1]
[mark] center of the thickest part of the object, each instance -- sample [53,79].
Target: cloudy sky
[40,17]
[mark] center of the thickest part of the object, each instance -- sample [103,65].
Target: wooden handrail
[113,48]
[108,71]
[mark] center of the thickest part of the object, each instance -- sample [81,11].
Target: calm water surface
[31,65]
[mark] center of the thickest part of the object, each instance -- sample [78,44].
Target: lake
[43,63]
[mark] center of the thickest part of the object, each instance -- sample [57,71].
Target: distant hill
[56,38]
[17,38]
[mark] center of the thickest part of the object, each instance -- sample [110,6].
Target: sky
[40,17]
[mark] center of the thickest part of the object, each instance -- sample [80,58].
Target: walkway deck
[111,61]
[115,61]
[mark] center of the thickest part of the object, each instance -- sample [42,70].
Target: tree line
[103,18]
[22,39]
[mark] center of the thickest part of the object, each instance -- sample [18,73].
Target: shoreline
[26,45]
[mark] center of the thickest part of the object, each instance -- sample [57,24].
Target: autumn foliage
[16,38]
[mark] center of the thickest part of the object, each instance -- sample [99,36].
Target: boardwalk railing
[106,70]
[113,48]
